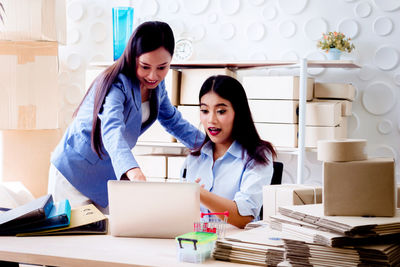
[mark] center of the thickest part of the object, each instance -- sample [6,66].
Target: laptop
[152,209]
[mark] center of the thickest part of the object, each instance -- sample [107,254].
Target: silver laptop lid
[152,209]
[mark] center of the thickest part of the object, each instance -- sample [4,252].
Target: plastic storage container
[195,247]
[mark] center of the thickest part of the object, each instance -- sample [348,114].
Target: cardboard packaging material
[172,85]
[346,105]
[193,79]
[342,150]
[398,195]
[43,20]
[174,166]
[192,115]
[323,113]
[335,91]
[153,165]
[275,196]
[276,87]
[156,133]
[279,134]
[28,85]
[274,111]
[359,188]
[316,133]
[25,157]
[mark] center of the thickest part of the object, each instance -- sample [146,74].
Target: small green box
[195,247]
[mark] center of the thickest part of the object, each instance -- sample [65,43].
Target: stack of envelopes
[311,238]
[258,246]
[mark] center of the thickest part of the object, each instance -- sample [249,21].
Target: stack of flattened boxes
[326,115]
[29,101]
[274,103]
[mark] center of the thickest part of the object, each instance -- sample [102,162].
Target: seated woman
[233,163]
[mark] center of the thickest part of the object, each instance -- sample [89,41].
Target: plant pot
[334,54]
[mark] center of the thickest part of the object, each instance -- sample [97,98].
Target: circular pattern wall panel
[292,7]
[73,94]
[74,61]
[255,31]
[382,26]
[349,27]
[229,7]
[258,56]
[73,36]
[315,55]
[196,7]
[386,58]
[353,124]
[257,2]
[75,11]
[212,18]
[270,12]
[98,32]
[396,78]
[290,55]
[385,126]
[378,98]
[173,7]
[314,28]
[366,73]
[363,9]
[227,31]
[384,151]
[198,32]
[148,8]
[287,28]
[388,5]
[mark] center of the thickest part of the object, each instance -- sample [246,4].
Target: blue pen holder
[122,28]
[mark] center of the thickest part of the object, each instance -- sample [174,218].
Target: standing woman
[119,106]
[233,163]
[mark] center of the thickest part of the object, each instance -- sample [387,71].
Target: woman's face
[217,116]
[152,67]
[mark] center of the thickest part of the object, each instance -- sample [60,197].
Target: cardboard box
[156,133]
[276,87]
[346,105]
[279,134]
[398,196]
[154,166]
[174,166]
[275,196]
[28,85]
[323,113]
[359,188]
[316,133]
[14,194]
[335,91]
[25,157]
[342,150]
[192,115]
[193,79]
[274,111]
[34,20]
[172,85]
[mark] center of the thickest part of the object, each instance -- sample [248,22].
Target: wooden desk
[94,250]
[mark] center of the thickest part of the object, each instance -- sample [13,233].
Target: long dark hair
[147,37]
[243,131]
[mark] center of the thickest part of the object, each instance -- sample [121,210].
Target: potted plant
[334,43]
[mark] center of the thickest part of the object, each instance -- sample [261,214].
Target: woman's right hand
[135,174]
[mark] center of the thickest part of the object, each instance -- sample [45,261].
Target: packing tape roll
[342,150]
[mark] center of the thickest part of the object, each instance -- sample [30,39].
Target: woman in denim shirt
[233,164]
[120,105]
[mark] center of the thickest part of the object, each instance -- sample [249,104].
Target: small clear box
[195,247]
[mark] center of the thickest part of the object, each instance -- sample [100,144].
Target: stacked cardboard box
[355,185]
[326,116]
[274,102]
[29,99]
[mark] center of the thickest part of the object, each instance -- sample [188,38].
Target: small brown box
[359,188]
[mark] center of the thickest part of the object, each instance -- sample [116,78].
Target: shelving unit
[302,65]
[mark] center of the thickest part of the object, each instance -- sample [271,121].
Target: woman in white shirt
[233,164]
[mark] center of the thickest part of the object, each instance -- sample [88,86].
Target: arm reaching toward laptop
[135,174]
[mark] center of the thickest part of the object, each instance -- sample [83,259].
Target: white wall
[263,29]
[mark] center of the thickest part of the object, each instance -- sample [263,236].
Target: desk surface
[94,250]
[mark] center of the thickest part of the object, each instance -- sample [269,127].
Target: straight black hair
[147,37]
[243,131]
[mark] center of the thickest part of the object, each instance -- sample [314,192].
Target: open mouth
[151,82]
[214,131]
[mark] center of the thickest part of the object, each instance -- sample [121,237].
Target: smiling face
[217,116]
[152,67]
